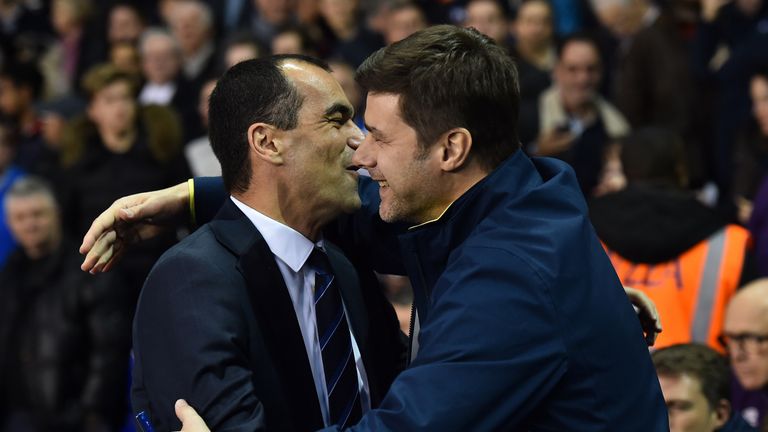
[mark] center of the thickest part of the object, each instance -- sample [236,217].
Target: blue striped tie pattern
[335,344]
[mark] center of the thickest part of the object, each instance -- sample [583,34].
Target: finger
[97,250]
[190,420]
[101,246]
[104,222]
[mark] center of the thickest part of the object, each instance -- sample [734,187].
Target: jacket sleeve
[206,198]
[188,343]
[489,352]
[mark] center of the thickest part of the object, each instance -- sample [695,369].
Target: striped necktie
[335,344]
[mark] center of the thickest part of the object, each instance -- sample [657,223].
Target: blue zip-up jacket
[522,323]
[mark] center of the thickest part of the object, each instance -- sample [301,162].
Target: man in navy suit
[233,316]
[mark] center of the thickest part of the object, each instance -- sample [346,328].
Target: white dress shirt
[292,250]
[157,94]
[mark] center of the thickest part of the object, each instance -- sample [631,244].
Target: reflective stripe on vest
[692,290]
[705,302]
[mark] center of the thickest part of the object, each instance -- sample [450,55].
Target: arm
[489,353]
[189,339]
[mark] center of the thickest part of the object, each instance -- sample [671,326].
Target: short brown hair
[700,362]
[448,77]
[103,75]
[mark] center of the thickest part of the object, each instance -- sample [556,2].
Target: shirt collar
[287,244]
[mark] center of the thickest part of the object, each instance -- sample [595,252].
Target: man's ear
[454,147]
[722,413]
[265,143]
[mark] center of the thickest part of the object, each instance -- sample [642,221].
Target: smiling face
[318,151]
[578,74]
[407,174]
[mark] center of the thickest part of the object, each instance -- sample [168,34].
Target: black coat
[63,342]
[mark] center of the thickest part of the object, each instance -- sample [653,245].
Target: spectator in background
[751,157]
[125,24]
[489,18]
[731,36]
[192,26]
[575,123]
[54,115]
[200,157]
[652,84]
[695,381]
[268,17]
[403,19]
[745,336]
[292,39]
[665,243]
[125,56]
[343,35]
[535,53]
[239,47]
[64,336]
[116,148]
[19,20]
[164,84]
[9,173]
[20,87]
[74,50]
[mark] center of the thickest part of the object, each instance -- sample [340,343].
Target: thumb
[190,420]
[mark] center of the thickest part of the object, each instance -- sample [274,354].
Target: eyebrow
[340,108]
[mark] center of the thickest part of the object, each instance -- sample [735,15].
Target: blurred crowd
[661,108]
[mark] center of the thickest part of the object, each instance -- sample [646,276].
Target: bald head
[746,329]
[751,299]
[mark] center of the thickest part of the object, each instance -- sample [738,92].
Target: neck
[456,185]
[290,209]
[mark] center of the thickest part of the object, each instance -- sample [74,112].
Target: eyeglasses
[750,342]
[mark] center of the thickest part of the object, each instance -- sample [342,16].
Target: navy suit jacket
[215,325]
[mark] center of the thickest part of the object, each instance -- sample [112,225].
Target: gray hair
[152,32]
[28,186]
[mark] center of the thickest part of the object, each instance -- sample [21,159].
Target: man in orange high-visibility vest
[664,242]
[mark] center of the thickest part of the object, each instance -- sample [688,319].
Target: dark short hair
[448,77]
[24,74]
[700,362]
[253,91]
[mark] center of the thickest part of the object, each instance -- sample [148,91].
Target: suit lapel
[274,312]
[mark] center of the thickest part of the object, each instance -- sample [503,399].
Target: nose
[356,137]
[363,156]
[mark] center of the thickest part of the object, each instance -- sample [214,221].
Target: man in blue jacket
[520,321]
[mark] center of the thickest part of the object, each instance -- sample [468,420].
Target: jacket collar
[502,197]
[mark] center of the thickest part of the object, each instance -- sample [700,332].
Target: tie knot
[318,261]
